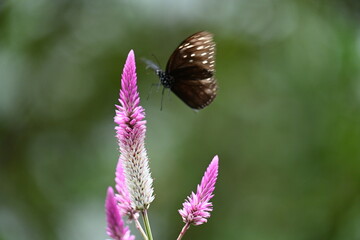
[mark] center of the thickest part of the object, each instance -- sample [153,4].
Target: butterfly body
[165,79]
[190,71]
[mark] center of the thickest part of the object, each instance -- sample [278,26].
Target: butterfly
[190,71]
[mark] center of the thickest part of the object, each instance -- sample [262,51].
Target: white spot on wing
[208,91]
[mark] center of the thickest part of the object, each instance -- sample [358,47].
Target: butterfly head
[166,80]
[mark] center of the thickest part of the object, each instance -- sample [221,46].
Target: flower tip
[215,159]
[129,68]
[110,192]
[131,55]
[214,162]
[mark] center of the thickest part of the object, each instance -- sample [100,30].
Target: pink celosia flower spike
[115,225]
[134,184]
[197,207]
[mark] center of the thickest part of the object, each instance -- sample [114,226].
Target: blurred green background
[285,124]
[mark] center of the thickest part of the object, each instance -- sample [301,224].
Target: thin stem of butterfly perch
[183,231]
[147,224]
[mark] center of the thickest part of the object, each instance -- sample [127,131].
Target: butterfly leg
[162,98]
[151,88]
[168,96]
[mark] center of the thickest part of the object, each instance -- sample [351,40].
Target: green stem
[147,224]
[141,230]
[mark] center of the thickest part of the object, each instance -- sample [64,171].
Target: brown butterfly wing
[192,66]
[194,51]
[197,94]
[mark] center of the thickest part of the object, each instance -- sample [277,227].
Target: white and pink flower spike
[132,176]
[135,182]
